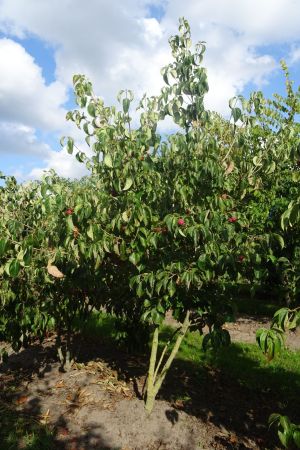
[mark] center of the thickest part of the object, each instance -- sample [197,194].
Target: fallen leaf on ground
[22,399]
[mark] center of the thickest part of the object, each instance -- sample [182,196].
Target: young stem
[155,379]
[150,382]
[164,352]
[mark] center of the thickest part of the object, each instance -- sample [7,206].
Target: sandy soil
[245,327]
[91,408]
[98,405]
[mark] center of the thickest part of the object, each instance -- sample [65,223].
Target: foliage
[288,432]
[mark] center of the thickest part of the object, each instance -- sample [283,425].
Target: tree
[180,209]
[161,223]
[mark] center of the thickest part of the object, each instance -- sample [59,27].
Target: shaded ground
[98,405]
[90,407]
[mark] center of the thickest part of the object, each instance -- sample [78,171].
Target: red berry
[241,258]
[180,222]
[232,219]
[69,211]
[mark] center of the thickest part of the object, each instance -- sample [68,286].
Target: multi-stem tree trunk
[155,375]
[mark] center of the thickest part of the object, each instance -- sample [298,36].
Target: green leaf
[271,167]
[126,104]
[139,290]
[108,161]
[116,249]
[171,288]
[134,258]
[44,188]
[70,145]
[80,156]
[256,161]
[285,422]
[279,239]
[236,114]
[90,232]
[273,419]
[285,438]
[296,176]
[128,184]
[296,437]
[91,109]
[62,141]
[14,268]
[3,246]
[70,224]
[120,93]
[156,317]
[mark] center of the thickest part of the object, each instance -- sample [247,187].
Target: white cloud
[294,56]
[117,45]
[20,139]
[64,165]
[24,96]
[259,21]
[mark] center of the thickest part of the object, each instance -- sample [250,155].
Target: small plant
[288,432]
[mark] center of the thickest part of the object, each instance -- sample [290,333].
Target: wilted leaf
[54,271]
[229,168]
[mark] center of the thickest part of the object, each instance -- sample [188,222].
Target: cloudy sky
[123,44]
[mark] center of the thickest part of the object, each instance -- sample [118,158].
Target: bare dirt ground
[98,404]
[245,327]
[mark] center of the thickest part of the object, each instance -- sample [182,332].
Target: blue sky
[124,45]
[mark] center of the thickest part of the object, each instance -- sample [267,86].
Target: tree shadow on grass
[228,388]
[234,392]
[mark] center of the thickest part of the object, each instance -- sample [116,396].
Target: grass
[243,362]
[100,325]
[246,364]
[18,431]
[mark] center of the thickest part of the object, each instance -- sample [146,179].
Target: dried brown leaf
[22,399]
[229,168]
[54,271]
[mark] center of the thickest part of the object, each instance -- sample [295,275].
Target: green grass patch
[18,431]
[244,363]
[99,325]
